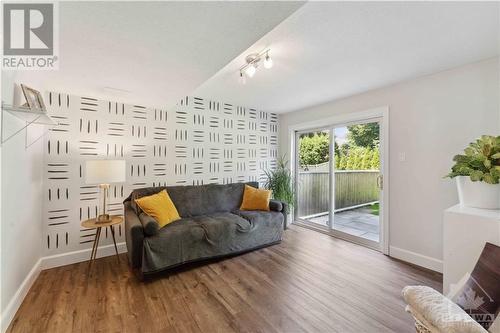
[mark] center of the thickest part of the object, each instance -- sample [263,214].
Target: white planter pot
[478,194]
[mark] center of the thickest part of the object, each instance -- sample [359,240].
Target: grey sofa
[211,226]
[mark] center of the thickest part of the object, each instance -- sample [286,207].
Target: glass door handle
[380,182]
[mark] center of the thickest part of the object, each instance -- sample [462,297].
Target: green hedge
[314,149]
[358,158]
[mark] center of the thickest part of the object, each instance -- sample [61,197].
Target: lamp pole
[104,217]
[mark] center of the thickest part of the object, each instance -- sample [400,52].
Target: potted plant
[280,181]
[478,173]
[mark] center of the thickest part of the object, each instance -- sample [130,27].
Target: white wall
[21,214]
[432,118]
[199,141]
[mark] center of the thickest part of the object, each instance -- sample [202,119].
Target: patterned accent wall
[197,142]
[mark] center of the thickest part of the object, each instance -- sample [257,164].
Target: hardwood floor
[310,282]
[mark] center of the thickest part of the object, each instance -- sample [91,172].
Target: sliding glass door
[338,180]
[313,177]
[357,178]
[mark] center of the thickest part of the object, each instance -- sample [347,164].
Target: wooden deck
[310,282]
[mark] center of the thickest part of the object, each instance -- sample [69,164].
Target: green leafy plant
[280,181]
[481,161]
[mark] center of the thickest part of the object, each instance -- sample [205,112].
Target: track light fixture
[252,63]
[268,62]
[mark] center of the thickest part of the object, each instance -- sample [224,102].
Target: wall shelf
[29,117]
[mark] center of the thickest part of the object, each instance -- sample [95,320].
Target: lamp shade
[104,171]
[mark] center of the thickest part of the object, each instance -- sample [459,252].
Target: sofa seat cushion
[208,236]
[261,217]
[209,227]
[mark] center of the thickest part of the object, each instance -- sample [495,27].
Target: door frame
[382,113]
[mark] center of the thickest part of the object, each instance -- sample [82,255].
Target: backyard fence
[352,188]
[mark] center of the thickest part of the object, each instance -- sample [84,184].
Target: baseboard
[17,299]
[51,262]
[74,257]
[416,259]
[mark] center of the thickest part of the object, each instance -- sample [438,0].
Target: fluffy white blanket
[439,311]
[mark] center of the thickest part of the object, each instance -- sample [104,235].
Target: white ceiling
[152,53]
[329,50]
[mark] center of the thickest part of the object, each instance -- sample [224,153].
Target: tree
[314,149]
[364,135]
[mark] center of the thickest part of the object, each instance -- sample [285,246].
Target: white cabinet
[465,231]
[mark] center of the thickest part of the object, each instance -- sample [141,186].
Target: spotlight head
[250,70]
[268,62]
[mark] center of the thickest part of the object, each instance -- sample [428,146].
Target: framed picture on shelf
[33,97]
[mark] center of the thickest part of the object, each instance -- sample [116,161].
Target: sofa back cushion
[195,200]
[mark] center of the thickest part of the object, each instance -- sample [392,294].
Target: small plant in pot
[478,173]
[280,181]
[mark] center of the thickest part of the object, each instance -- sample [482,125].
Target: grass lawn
[375,208]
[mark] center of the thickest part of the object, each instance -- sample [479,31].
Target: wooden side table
[93,224]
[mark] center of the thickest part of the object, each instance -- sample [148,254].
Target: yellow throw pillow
[255,199]
[160,207]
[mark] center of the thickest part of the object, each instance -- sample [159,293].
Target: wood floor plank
[310,282]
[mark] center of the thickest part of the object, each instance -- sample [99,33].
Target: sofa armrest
[280,206]
[134,236]
[275,205]
[149,224]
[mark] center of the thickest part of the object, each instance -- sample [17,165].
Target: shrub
[314,149]
[358,158]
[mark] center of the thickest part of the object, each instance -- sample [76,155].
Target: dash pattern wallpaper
[199,141]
